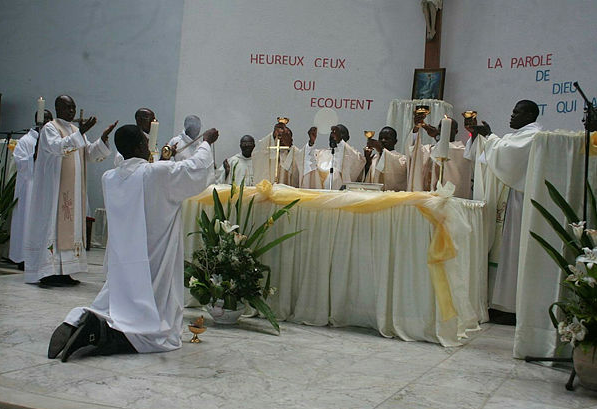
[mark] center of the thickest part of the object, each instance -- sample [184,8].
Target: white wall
[111,57]
[381,41]
[477,30]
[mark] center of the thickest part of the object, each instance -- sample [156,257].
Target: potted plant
[226,271]
[575,316]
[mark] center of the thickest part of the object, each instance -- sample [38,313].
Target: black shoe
[501,317]
[91,331]
[21,266]
[59,339]
[59,281]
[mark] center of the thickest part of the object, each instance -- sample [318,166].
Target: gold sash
[66,194]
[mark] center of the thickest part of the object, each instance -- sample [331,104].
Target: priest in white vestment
[266,155]
[424,166]
[240,165]
[345,161]
[24,157]
[184,145]
[143,118]
[55,238]
[141,303]
[506,159]
[383,164]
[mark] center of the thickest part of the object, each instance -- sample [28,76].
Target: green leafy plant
[577,318]
[227,266]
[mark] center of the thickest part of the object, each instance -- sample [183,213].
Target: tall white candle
[153,136]
[441,149]
[41,106]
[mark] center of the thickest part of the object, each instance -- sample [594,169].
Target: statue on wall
[430,8]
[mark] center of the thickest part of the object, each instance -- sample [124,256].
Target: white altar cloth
[370,269]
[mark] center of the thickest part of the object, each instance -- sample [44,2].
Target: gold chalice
[422,109]
[197,328]
[469,114]
[369,134]
[283,120]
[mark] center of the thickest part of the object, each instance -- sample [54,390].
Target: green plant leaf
[267,281]
[249,210]
[560,231]
[218,209]
[239,202]
[593,207]
[261,306]
[559,200]
[553,253]
[263,228]
[258,252]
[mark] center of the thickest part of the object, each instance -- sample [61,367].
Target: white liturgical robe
[457,170]
[347,162]
[390,169]
[143,293]
[42,256]
[23,159]
[242,168]
[507,160]
[181,141]
[419,165]
[264,163]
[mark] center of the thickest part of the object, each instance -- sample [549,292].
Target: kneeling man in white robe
[140,307]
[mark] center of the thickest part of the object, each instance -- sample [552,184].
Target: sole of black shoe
[82,337]
[59,339]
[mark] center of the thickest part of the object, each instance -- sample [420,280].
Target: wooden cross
[278,148]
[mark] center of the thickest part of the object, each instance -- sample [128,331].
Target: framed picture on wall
[428,83]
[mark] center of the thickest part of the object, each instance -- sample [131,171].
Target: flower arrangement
[577,322]
[227,267]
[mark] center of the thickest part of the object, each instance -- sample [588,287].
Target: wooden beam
[433,47]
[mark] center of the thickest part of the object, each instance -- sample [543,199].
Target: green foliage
[575,316]
[228,266]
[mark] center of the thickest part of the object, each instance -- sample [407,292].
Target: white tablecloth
[558,157]
[370,269]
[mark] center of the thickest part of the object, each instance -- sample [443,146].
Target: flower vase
[225,316]
[585,365]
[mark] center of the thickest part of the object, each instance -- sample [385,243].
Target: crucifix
[278,148]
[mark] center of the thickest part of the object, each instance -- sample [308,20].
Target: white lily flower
[227,227]
[239,238]
[232,284]
[193,282]
[592,233]
[590,281]
[272,290]
[216,279]
[562,327]
[217,226]
[578,330]
[590,257]
[578,229]
[578,273]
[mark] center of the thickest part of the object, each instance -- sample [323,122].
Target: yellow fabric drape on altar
[431,206]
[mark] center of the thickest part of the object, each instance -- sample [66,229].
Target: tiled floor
[247,366]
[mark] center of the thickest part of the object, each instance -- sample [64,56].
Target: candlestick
[441,149]
[153,136]
[41,106]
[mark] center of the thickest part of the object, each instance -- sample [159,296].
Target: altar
[411,265]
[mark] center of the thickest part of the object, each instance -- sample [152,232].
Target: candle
[441,149]
[153,135]
[41,106]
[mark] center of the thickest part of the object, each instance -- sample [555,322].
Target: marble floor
[248,366]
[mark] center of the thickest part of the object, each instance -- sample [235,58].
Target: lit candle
[153,135]
[441,149]
[41,106]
